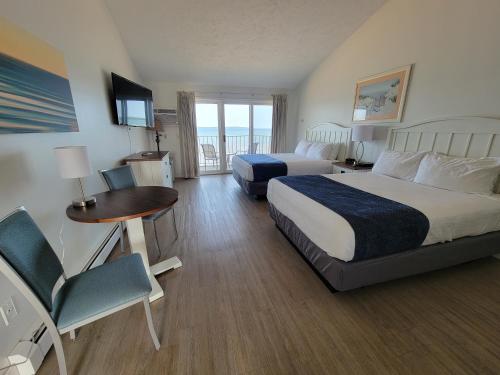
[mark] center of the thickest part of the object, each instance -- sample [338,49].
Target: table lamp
[73,162]
[361,133]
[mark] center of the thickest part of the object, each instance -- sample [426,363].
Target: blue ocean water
[232,131]
[237,141]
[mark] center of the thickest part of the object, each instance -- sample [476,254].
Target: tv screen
[133,103]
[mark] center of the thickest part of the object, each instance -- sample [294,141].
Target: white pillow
[403,165]
[319,151]
[335,151]
[459,174]
[302,148]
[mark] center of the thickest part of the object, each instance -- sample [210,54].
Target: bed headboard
[468,136]
[330,132]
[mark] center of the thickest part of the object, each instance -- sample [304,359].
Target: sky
[136,108]
[237,115]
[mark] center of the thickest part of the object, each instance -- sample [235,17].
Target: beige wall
[453,44]
[85,34]
[165,97]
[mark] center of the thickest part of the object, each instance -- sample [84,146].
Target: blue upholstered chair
[122,178]
[66,304]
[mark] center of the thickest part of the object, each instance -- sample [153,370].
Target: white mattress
[451,214]
[296,164]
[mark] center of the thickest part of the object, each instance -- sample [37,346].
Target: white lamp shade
[73,161]
[361,133]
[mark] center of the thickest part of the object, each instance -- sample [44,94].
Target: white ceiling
[252,43]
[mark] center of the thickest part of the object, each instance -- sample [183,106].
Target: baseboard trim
[104,250]
[43,341]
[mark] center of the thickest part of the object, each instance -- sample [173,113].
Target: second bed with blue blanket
[255,170]
[264,167]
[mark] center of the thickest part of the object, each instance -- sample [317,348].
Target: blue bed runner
[265,167]
[381,226]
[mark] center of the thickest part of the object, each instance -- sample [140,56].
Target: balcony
[209,153]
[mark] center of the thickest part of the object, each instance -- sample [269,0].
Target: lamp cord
[61,241]
[129,140]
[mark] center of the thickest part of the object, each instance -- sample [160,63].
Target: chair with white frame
[122,178]
[66,304]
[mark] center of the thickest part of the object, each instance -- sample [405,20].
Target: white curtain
[186,118]
[278,134]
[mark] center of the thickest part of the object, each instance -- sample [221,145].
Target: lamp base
[357,157]
[84,202]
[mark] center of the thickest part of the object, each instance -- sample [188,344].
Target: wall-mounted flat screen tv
[133,103]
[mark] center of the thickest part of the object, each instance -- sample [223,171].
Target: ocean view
[237,140]
[237,131]
[232,131]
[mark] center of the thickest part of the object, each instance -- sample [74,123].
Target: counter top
[146,156]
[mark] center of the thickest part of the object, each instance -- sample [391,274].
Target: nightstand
[349,168]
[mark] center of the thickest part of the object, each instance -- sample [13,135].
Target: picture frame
[381,97]
[36,94]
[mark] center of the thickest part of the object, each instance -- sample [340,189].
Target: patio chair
[210,154]
[251,150]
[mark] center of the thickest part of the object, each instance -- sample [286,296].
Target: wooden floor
[246,303]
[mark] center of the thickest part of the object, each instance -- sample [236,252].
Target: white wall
[92,47]
[165,97]
[453,44]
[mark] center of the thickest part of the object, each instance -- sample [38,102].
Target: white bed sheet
[296,165]
[451,215]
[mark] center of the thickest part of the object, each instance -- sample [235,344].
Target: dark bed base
[320,276]
[259,189]
[344,276]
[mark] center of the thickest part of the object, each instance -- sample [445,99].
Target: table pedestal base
[137,240]
[165,265]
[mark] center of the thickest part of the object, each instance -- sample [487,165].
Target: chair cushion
[155,216]
[100,289]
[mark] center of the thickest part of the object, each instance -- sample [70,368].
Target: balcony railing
[209,153]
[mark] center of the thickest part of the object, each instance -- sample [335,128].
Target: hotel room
[249,187]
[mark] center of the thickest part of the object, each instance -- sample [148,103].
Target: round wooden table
[130,205]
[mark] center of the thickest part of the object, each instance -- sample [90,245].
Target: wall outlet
[8,311]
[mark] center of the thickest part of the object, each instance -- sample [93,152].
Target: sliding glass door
[226,129]
[236,131]
[207,123]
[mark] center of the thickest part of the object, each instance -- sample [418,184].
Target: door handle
[224,138]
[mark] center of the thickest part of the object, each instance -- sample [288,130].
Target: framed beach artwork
[381,98]
[35,95]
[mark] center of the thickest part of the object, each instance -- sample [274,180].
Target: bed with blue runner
[381,226]
[265,167]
